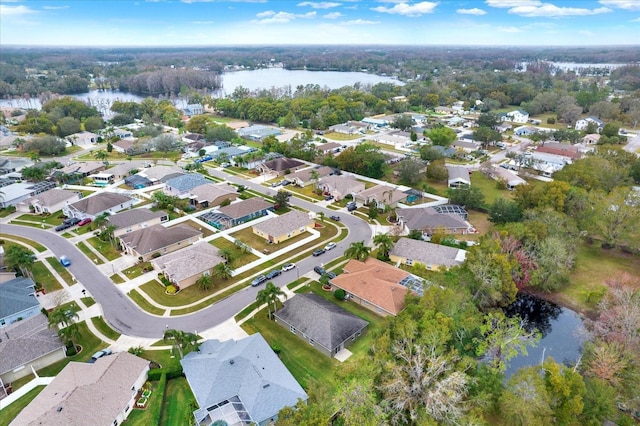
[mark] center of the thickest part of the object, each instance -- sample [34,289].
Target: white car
[330,246]
[288,267]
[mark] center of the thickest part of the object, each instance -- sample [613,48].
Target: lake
[562,329]
[252,80]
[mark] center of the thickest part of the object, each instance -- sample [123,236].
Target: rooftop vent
[59,409]
[231,361]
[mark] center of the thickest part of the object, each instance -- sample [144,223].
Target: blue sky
[251,22]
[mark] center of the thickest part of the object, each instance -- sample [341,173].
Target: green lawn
[205,231]
[341,136]
[9,413]
[143,304]
[54,219]
[240,258]
[489,188]
[156,291]
[136,270]
[179,403]
[249,238]
[306,191]
[104,328]
[140,417]
[105,248]
[42,276]
[61,270]
[116,278]
[88,301]
[87,252]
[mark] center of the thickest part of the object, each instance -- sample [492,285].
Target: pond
[562,329]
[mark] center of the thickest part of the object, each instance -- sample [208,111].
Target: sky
[268,22]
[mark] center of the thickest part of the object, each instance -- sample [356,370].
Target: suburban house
[525,131]
[456,122]
[123,170]
[158,240]
[340,186]
[184,267]
[83,138]
[433,256]
[102,179]
[11,165]
[210,194]
[518,116]
[126,146]
[305,177]
[239,382]
[429,219]
[105,391]
[446,151]
[373,284]
[193,109]
[563,149]
[362,127]
[81,169]
[466,146]
[323,324]
[236,213]
[135,219]
[257,132]
[95,205]
[281,166]
[344,129]
[443,110]
[15,193]
[180,186]
[161,174]
[28,345]
[503,127]
[49,201]
[510,179]
[375,122]
[583,123]
[190,138]
[18,301]
[591,139]
[382,195]
[137,182]
[329,147]
[548,164]
[281,228]
[391,139]
[458,176]
[122,133]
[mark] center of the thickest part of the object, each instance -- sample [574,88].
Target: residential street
[124,316]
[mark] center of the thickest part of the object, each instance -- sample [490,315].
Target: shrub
[155,374]
[156,255]
[276,349]
[551,120]
[339,294]
[171,289]
[174,372]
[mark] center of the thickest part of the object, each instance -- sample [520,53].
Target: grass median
[143,304]
[89,253]
[38,247]
[104,328]
[61,270]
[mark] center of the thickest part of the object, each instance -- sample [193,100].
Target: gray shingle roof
[161,173]
[189,261]
[133,217]
[247,368]
[428,253]
[427,218]
[16,296]
[88,393]
[155,237]
[323,321]
[26,341]
[210,191]
[458,172]
[187,182]
[245,207]
[281,164]
[100,202]
[52,196]
[284,224]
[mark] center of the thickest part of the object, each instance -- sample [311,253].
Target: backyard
[9,413]
[248,237]
[240,257]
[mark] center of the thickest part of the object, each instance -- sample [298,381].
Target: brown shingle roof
[86,393]
[210,191]
[284,224]
[428,253]
[281,164]
[52,196]
[156,237]
[189,261]
[100,202]
[245,207]
[133,217]
[374,281]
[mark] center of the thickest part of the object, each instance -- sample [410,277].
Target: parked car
[318,252]
[352,206]
[331,275]
[258,280]
[273,274]
[72,221]
[288,267]
[330,246]
[99,354]
[84,221]
[64,261]
[62,227]
[276,184]
[319,270]
[336,218]
[328,198]
[285,183]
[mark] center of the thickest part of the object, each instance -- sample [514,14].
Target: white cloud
[333,15]
[55,7]
[551,10]
[271,17]
[512,3]
[635,20]
[359,22]
[406,9]
[15,10]
[622,4]
[213,1]
[474,11]
[202,22]
[508,29]
[319,5]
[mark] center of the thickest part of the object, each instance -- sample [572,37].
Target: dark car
[273,274]
[285,183]
[72,221]
[318,252]
[328,198]
[62,227]
[331,275]
[319,270]
[336,218]
[258,280]
[351,206]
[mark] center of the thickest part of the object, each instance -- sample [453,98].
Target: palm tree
[228,255]
[357,250]
[63,316]
[70,333]
[384,243]
[108,233]
[321,214]
[100,221]
[269,295]
[101,155]
[182,341]
[18,257]
[136,350]
[223,271]
[314,178]
[204,283]
[34,156]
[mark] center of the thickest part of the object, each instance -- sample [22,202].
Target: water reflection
[537,313]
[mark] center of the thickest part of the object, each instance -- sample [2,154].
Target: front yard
[42,276]
[249,238]
[106,248]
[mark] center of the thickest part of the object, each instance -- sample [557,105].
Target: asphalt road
[127,318]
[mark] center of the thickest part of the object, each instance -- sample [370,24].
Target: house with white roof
[518,116]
